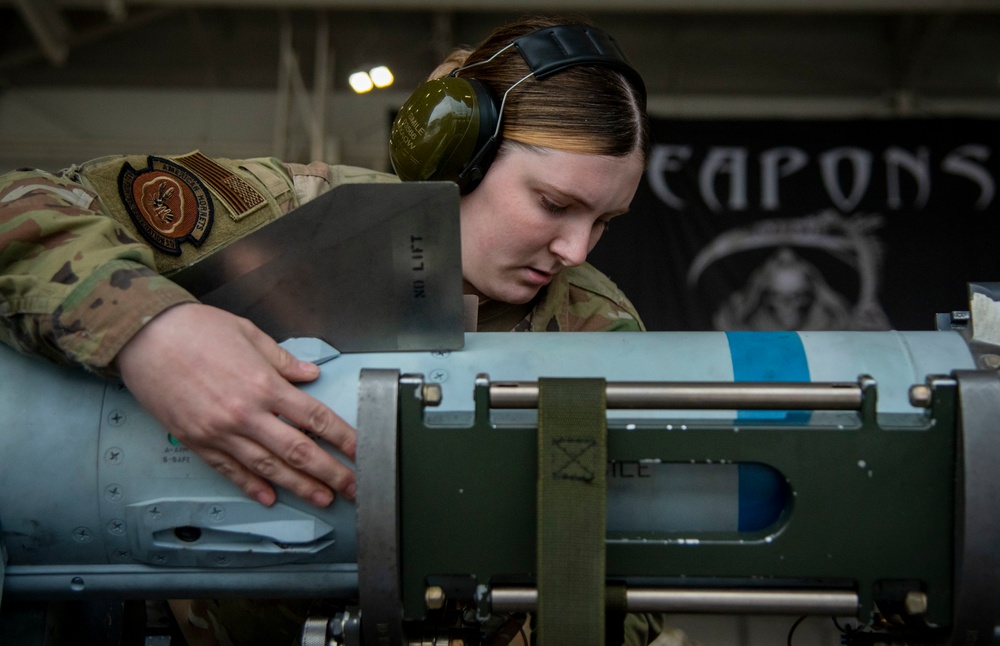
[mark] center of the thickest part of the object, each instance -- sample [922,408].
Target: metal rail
[731,601]
[700,395]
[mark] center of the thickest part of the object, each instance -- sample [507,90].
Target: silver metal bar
[378,507]
[700,395]
[732,601]
[977,525]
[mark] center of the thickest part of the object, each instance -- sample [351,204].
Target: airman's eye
[551,206]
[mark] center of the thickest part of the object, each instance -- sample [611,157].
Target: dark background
[930,251]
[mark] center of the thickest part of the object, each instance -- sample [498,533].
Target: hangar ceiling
[911,55]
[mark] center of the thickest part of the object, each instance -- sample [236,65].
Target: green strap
[572,458]
[616,600]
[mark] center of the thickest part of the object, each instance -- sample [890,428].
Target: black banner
[809,225]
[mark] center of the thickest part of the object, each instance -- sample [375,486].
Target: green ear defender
[449,128]
[441,128]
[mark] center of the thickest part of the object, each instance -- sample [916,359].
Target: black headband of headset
[553,49]
[546,52]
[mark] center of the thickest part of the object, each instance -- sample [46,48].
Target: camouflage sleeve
[312,180]
[582,299]
[74,285]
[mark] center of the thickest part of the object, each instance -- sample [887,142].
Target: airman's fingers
[252,485]
[311,415]
[312,470]
[289,459]
[287,365]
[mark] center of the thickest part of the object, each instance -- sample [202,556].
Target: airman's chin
[515,293]
[519,296]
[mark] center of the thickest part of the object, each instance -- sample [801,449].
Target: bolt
[159,559]
[434,597]
[916,603]
[222,560]
[991,361]
[438,375]
[337,625]
[440,353]
[116,418]
[216,513]
[920,396]
[114,455]
[113,493]
[154,511]
[123,554]
[431,394]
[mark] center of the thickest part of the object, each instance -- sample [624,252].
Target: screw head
[113,493]
[82,535]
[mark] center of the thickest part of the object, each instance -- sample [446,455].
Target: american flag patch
[234,191]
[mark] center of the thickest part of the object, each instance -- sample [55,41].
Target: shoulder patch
[168,204]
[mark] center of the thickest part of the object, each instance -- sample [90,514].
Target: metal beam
[292,89]
[116,9]
[698,6]
[48,27]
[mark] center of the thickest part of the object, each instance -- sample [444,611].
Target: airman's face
[536,212]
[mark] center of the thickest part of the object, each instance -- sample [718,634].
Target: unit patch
[168,204]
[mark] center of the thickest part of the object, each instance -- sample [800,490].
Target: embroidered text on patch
[167,204]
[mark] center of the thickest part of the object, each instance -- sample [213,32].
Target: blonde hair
[452,62]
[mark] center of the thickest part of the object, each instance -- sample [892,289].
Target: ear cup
[445,125]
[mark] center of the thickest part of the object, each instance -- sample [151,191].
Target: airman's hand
[225,390]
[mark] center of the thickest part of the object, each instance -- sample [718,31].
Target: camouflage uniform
[582,299]
[85,260]
[579,299]
[81,304]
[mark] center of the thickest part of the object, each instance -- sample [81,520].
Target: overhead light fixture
[361,82]
[379,77]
